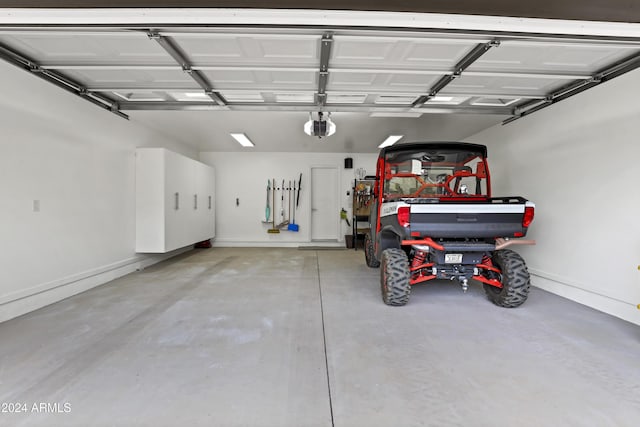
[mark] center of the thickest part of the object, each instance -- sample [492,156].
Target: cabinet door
[210,212]
[150,200]
[205,203]
[179,201]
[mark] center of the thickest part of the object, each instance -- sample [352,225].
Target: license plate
[453,258]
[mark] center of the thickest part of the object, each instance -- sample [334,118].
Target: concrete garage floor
[286,337]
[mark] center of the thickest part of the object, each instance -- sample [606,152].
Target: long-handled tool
[283,222]
[289,201]
[267,209]
[293,226]
[299,188]
[274,230]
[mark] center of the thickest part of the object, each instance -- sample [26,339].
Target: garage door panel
[116,49]
[382,80]
[243,96]
[394,99]
[247,79]
[345,79]
[350,50]
[418,81]
[225,77]
[130,78]
[261,50]
[294,97]
[402,53]
[438,54]
[505,85]
[551,57]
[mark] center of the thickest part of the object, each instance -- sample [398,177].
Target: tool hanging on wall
[293,226]
[343,215]
[267,209]
[289,201]
[299,188]
[274,230]
[284,222]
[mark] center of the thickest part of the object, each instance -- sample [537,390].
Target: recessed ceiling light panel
[242,139]
[391,139]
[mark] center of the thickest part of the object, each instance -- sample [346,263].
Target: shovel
[293,226]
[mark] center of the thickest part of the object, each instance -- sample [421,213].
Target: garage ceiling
[476,77]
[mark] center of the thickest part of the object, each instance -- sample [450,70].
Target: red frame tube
[421,279]
[488,265]
[427,241]
[491,282]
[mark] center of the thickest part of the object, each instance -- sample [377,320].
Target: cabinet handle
[195,201]
[177,200]
[209,202]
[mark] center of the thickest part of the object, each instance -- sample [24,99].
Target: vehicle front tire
[394,277]
[369,252]
[515,280]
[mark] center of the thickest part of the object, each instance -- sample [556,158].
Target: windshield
[435,173]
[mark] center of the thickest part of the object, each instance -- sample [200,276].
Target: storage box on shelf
[174,201]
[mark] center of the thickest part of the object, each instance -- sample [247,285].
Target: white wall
[578,161]
[245,175]
[78,161]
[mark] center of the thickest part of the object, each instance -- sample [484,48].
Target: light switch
[36,205]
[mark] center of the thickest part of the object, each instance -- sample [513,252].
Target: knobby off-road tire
[394,277]
[369,252]
[515,280]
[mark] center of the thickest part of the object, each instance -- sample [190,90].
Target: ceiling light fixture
[391,139]
[242,139]
[321,127]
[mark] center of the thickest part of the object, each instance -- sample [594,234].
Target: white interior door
[324,203]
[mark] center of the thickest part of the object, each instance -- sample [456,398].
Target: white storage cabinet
[174,201]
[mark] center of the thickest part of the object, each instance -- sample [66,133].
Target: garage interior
[288,329]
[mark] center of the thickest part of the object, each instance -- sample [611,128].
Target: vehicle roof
[439,145]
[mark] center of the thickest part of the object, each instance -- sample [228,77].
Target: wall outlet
[36,205]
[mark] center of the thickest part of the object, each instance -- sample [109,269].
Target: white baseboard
[26,300]
[580,293]
[273,245]
[236,244]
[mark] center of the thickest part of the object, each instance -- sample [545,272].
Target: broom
[293,226]
[274,230]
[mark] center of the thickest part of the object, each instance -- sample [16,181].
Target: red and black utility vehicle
[433,217]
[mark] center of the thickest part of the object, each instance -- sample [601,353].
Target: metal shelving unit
[361,208]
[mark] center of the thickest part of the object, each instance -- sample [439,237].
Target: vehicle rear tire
[369,252]
[515,280]
[394,277]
